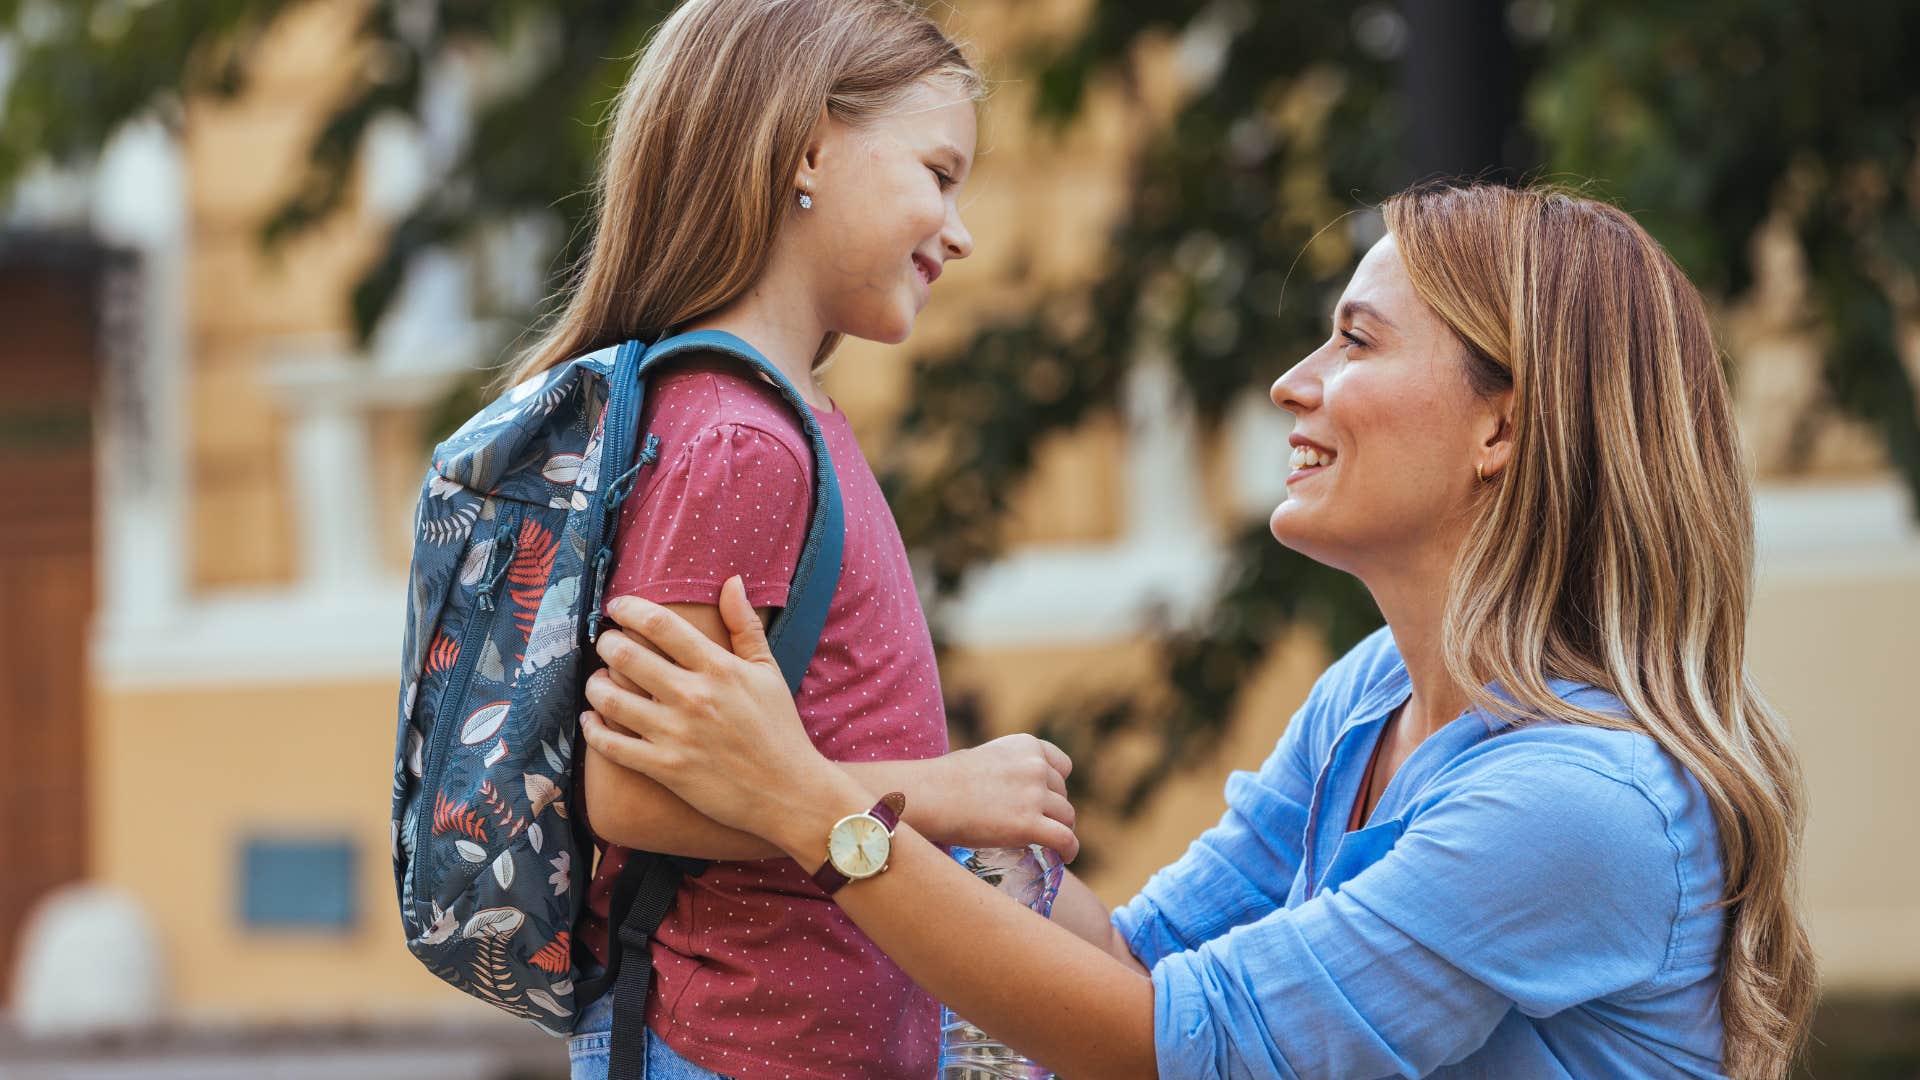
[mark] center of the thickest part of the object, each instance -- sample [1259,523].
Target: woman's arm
[1540,879]
[1062,1000]
[1083,915]
[1007,792]
[1032,983]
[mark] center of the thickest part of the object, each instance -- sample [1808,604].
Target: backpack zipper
[472,636]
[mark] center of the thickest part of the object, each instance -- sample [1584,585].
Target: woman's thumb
[743,623]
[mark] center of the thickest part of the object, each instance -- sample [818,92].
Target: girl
[1539,825]
[787,171]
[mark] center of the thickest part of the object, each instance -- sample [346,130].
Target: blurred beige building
[233,593]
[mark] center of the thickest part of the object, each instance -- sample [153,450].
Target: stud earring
[806,201]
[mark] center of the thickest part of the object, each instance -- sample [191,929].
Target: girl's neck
[781,323]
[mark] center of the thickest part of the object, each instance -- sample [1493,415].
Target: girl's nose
[959,242]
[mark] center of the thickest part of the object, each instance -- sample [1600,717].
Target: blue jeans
[590,1049]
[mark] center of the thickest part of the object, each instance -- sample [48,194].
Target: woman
[1539,825]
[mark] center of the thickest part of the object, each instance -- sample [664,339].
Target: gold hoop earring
[1480,471]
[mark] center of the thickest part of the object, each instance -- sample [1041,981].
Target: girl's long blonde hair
[1616,548]
[707,136]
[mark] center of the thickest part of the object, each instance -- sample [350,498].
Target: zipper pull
[503,539]
[595,619]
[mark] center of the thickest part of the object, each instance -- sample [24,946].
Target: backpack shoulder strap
[649,883]
[795,633]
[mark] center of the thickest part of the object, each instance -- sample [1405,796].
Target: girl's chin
[888,331]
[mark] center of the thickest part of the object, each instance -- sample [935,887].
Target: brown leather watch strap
[891,807]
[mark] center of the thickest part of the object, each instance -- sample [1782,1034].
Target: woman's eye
[946,181]
[1351,340]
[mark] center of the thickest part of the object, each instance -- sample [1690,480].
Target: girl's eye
[946,181]
[1351,340]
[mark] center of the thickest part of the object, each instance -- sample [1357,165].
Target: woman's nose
[1297,390]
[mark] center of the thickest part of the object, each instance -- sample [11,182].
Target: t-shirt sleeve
[733,499]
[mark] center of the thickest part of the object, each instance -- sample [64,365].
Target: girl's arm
[1063,1001]
[1007,792]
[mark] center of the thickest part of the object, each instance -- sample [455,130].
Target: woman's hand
[1006,793]
[718,728]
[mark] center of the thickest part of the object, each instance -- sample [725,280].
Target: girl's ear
[812,161]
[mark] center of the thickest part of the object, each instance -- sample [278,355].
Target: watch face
[859,846]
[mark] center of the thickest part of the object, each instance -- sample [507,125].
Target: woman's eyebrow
[1352,308]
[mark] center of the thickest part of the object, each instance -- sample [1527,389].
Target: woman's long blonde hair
[707,136]
[1616,548]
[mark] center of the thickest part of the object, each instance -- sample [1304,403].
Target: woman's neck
[780,322]
[1413,598]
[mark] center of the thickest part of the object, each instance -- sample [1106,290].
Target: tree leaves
[1702,119]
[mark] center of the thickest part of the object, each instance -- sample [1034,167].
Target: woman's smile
[1308,458]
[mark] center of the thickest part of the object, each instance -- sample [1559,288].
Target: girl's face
[886,212]
[1387,430]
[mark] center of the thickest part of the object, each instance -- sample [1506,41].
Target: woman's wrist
[816,801]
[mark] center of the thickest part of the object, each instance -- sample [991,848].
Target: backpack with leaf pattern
[512,550]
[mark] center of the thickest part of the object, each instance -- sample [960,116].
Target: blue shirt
[1532,900]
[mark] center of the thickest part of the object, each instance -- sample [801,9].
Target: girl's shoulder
[704,393]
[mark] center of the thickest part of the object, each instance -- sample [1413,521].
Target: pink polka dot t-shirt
[757,973]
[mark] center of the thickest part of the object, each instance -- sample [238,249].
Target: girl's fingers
[637,714]
[1057,758]
[626,751]
[1056,782]
[1061,839]
[645,670]
[1057,808]
[680,640]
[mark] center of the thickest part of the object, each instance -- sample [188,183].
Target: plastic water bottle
[1032,876]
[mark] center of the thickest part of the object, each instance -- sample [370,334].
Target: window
[297,883]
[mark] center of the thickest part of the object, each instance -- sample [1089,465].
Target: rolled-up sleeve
[1535,888]
[1236,871]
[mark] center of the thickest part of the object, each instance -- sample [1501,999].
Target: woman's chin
[1292,525]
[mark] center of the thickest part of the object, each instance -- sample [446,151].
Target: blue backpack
[513,544]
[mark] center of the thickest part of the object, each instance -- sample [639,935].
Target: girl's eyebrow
[953,152]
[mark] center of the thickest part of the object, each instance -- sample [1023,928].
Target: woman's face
[1386,429]
[886,212]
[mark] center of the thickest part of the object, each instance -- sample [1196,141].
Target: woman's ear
[1496,449]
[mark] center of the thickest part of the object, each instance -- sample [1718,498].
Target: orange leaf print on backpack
[499,810]
[444,651]
[527,576]
[556,955]
[450,816]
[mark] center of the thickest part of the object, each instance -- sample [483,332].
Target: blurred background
[257,255]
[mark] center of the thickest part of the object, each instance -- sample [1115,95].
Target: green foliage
[1704,119]
[84,67]
[1706,122]
[541,80]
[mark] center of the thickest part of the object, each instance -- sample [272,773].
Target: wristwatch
[859,845]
